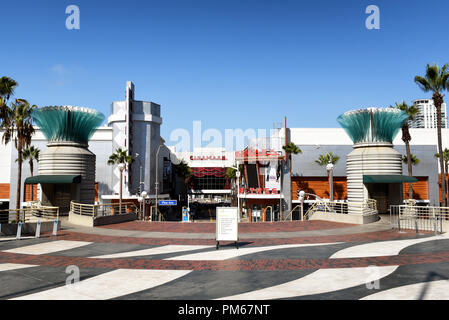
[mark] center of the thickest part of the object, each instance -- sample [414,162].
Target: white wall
[338,136]
[5,161]
[198,152]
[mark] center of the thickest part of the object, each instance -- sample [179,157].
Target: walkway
[282,260]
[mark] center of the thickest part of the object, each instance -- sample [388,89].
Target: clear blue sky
[231,64]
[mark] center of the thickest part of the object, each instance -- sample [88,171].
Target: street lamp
[237,175]
[330,170]
[140,199]
[144,200]
[157,179]
[301,199]
[121,167]
[137,157]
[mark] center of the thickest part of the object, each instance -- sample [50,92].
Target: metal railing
[271,213]
[30,214]
[290,214]
[362,208]
[419,218]
[102,210]
[155,215]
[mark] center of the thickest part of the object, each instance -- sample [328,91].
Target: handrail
[158,213]
[31,213]
[310,210]
[291,212]
[94,210]
[271,212]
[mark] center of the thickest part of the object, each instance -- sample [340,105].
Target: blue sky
[231,64]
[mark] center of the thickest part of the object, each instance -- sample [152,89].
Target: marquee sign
[220,158]
[250,153]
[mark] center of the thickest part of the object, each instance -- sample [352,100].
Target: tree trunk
[447,182]
[438,101]
[32,185]
[410,169]
[19,179]
[120,200]
[406,138]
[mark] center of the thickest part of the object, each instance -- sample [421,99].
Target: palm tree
[122,158]
[290,149]
[324,160]
[7,88]
[31,153]
[436,80]
[17,125]
[446,165]
[231,173]
[413,159]
[183,170]
[412,112]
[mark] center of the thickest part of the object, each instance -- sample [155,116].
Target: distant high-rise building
[427,117]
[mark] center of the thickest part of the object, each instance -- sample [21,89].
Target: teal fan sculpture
[67,123]
[373,125]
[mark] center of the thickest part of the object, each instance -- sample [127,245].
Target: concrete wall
[28,229]
[345,218]
[304,164]
[88,221]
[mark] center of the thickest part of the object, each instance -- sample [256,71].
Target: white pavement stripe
[48,247]
[153,251]
[382,248]
[14,238]
[433,290]
[14,266]
[224,254]
[109,285]
[318,282]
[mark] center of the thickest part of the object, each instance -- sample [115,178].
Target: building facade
[132,125]
[427,116]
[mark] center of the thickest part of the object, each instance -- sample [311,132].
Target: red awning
[202,172]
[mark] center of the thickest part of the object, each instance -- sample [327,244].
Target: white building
[208,183]
[427,117]
[132,125]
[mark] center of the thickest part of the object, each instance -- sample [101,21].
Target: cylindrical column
[369,160]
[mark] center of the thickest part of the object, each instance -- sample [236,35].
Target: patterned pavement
[296,260]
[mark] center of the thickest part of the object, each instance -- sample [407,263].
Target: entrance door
[379,192]
[62,197]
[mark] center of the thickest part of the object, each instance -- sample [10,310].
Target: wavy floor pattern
[382,248]
[217,255]
[320,281]
[432,290]
[154,251]
[109,285]
[14,266]
[48,247]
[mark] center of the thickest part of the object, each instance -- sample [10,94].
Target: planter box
[345,218]
[28,229]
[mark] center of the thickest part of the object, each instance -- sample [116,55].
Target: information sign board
[227,225]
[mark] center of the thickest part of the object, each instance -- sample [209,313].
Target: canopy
[388,179]
[53,179]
